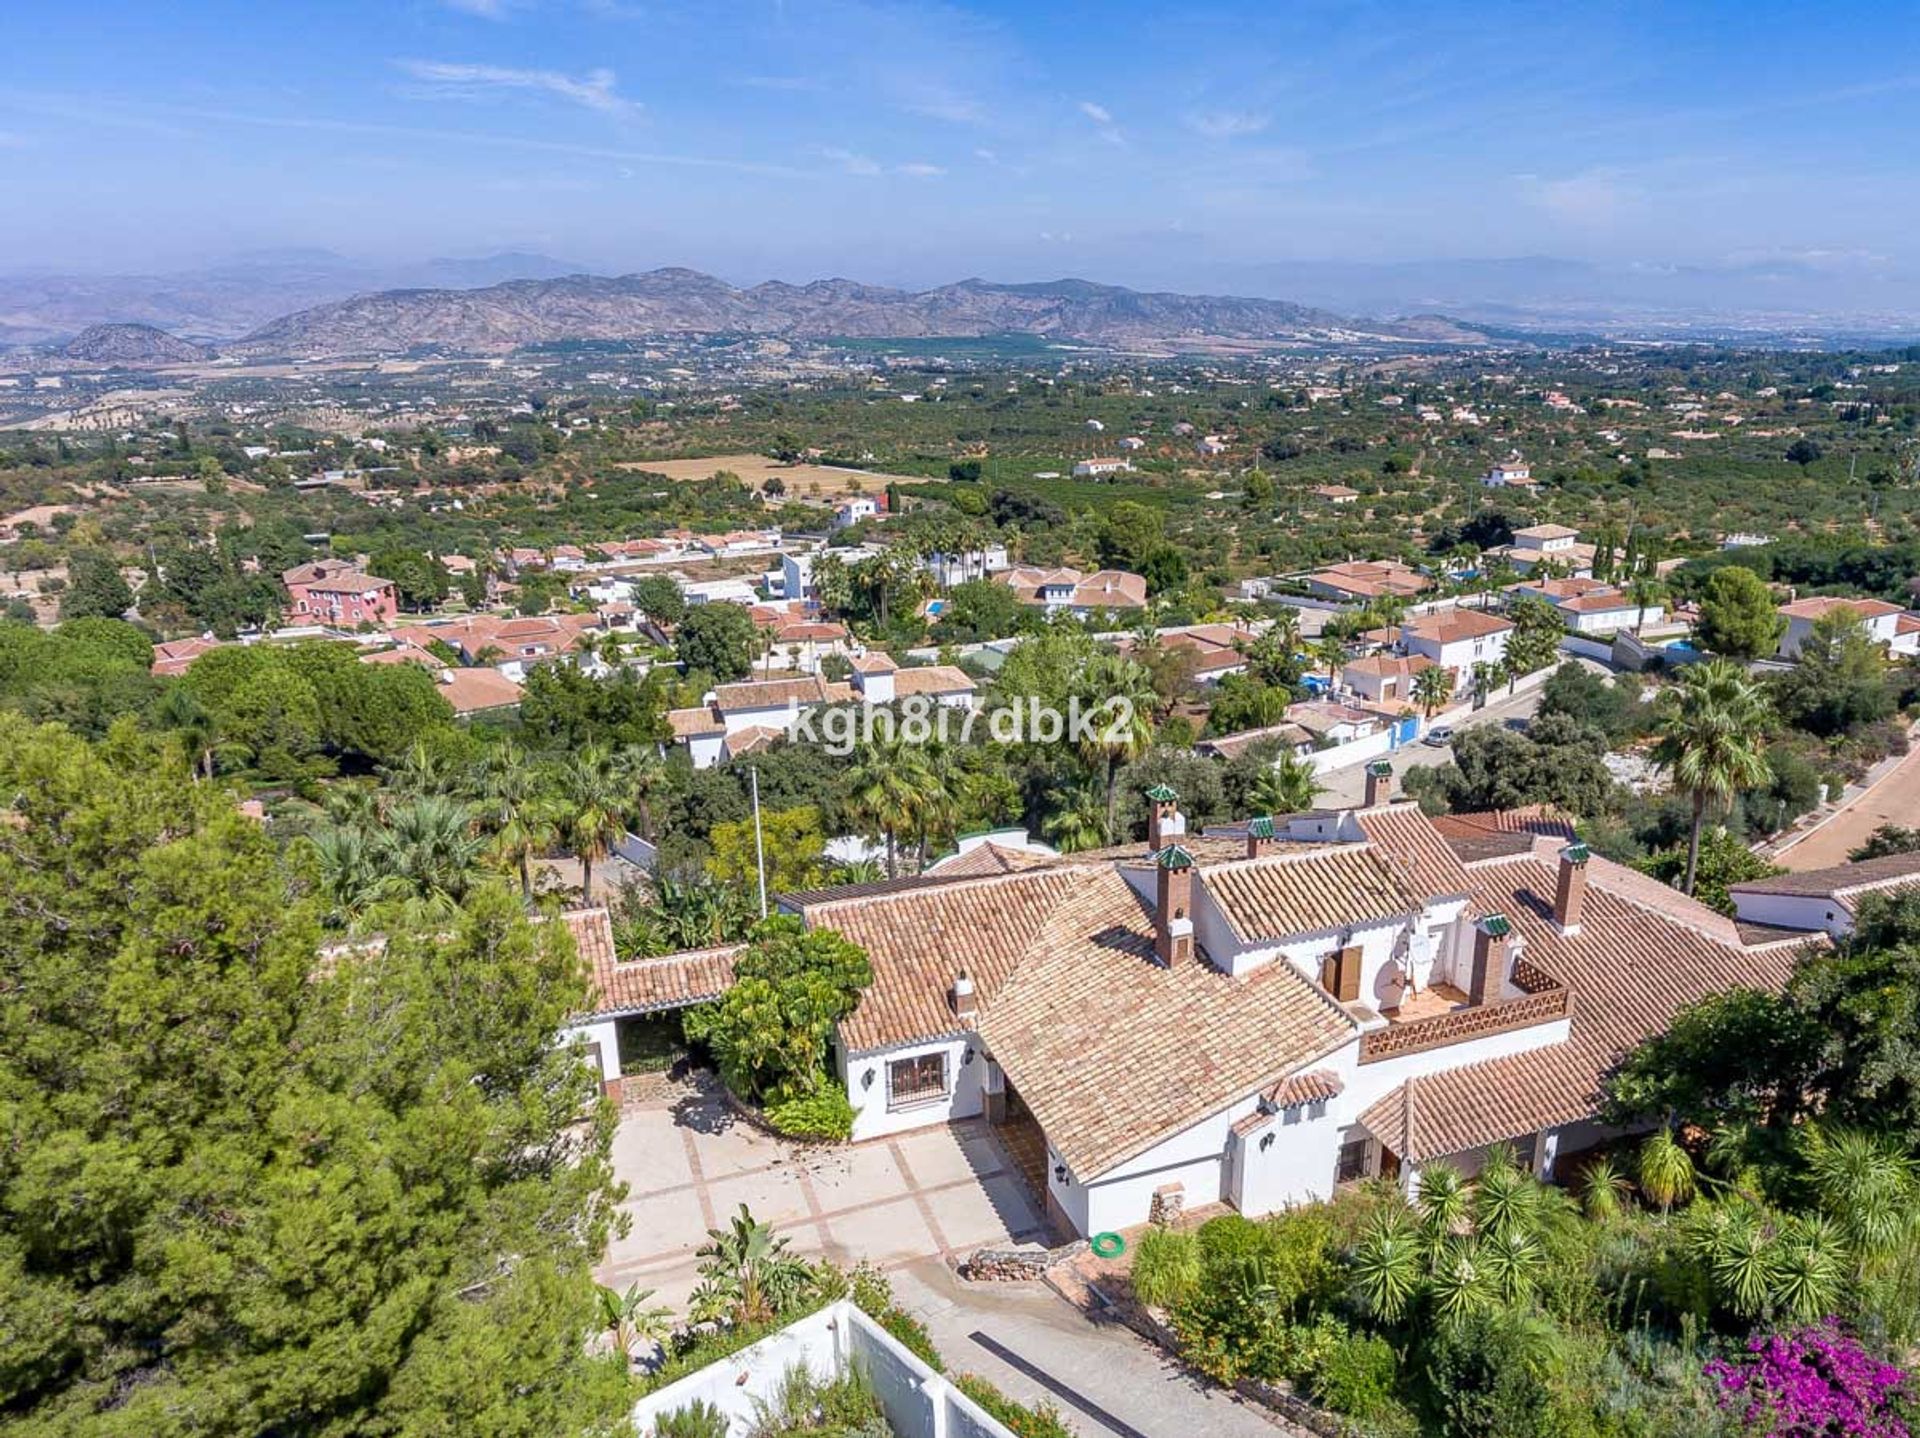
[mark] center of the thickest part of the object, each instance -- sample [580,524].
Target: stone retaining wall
[1017,1265]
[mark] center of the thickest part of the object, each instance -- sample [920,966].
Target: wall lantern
[1266,1142]
[1060,1173]
[967,1057]
[866,1079]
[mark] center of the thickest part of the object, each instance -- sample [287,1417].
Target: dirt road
[1894,800]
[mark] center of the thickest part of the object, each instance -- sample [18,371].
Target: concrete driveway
[690,1162]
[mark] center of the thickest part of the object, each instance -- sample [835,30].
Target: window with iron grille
[1353,1163]
[917,1080]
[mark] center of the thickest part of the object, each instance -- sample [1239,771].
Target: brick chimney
[1491,936]
[1570,893]
[1261,838]
[965,1005]
[1173,905]
[1379,783]
[1165,823]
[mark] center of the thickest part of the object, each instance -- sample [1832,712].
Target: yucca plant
[1603,1191]
[1443,1199]
[1809,1268]
[1664,1170]
[1461,1286]
[1388,1266]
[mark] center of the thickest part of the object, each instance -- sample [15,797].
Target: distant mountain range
[504,317]
[132,346]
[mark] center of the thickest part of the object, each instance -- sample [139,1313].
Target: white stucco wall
[604,1032]
[964,1098]
[1812,912]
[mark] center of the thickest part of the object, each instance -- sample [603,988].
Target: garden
[1750,1265]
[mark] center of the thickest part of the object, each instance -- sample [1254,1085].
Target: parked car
[1439,736]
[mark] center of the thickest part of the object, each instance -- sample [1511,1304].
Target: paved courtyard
[690,1162]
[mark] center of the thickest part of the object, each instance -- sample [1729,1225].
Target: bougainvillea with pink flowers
[1815,1382]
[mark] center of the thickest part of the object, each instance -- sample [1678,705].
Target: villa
[1256,1015]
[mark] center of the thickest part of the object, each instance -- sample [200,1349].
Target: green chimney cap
[1495,926]
[1260,828]
[1380,769]
[1161,794]
[1576,853]
[1173,857]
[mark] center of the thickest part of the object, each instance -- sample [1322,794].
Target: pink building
[333,592]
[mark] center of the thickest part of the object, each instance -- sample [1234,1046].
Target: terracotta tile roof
[1111,1051]
[771,693]
[920,935]
[349,582]
[686,723]
[752,739]
[671,981]
[1839,881]
[1453,626]
[1816,605]
[1630,968]
[1313,1086]
[474,691]
[932,679]
[1230,746]
[873,664]
[1407,841]
[1306,891]
[988,858]
[1547,531]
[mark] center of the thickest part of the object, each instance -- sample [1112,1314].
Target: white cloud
[1228,124]
[920,169]
[1099,114]
[447,80]
[1591,200]
[485,9]
[853,164]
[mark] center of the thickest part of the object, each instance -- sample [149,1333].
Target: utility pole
[759,841]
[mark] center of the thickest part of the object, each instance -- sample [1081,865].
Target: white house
[1885,622]
[1457,639]
[852,510]
[1587,606]
[718,591]
[962,565]
[1823,900]
[1100,468]
[1548,544]
[1068,590]
[1513,472]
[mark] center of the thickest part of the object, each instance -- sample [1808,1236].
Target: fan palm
[516,808]
[1332,652]
[883,791]
[643,773]
[1078,821]
[423,769]
[1432,688]
[1123,728]
[592,811]
[195,727]
[428,855]
[1287,786]
[1711,742]
[349,873]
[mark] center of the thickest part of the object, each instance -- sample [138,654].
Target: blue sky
[916,142]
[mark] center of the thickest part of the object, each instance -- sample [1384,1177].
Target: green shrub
[824,1113]
[1300,1244]
[1042,1422]
[872,1294]
[1166,1267]
[1357,1376]
[699,1419]
[1228,1241]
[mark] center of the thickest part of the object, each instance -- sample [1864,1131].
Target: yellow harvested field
[814,481]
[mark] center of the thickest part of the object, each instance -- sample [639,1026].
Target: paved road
[1894,800]
[1347,785]
[1106,1380]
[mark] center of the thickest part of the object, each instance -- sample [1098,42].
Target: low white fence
[919,1403]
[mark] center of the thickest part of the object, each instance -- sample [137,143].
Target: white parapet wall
[919,1403]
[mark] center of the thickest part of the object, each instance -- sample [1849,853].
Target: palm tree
[1078,821]
[349,872]
[938,810]
[1432,688]
[1124,699]
[1644,591]
[643,772]
[1330,651]
[428,854]
[883,791]
[516,808]
[423,769]
[593,809]
[198,730]
[1711,742]
[1287,786]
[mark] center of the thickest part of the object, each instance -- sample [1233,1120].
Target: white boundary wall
[919,1403]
